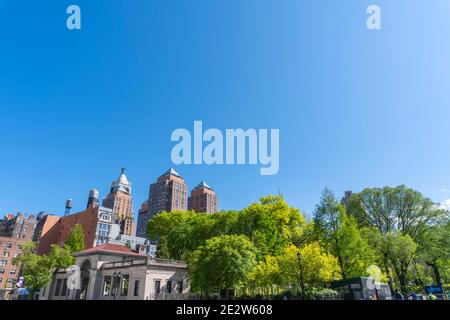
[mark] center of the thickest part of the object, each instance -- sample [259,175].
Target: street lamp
[116,276]
[302,284]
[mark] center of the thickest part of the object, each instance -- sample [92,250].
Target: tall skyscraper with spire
[203,199]
[120,201]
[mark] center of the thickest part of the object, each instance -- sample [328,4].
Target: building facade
[18,226]
[97,222]
[203,199]
[346,199]
[10,248]
[114,272]
[169,193]
[143,218]
[120,201]
[45,223]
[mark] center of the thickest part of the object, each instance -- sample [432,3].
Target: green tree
[265,278]
[181,232]
[36,270]
[60,257]
[271,225]
[75,240]
[174,232]
[354,250]
[434,248]
[308,268]
[398,209]
[340,234]
[404,220]
[222,264]
[401,251]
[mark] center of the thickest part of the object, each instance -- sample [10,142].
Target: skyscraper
[346,199]
[168,193]
[203,199]
[120,201]
[143,217]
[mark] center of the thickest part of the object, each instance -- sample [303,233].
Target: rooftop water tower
[68,207]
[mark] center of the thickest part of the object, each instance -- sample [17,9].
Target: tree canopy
[75,240]
[222,264]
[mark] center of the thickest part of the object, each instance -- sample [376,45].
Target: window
[58,287]
[2,271]
[3,262]
[64,288]
[157,286]
[169,286]
[136,288]
[7,245]
[12,271]
[106,286]
[125,284]
[5,254]
[180,287]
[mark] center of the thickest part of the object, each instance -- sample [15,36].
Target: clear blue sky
[355,108]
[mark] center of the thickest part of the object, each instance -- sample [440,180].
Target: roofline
[112,252]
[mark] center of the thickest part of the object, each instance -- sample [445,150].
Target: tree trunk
[388,274]
[403,277]
[437,274]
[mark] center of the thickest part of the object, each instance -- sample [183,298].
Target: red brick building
[203,199]
[169,193]
[10,248]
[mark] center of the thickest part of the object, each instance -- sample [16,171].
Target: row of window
[9,281]
[12,271]
[169,286]
[119,286]
[6,254]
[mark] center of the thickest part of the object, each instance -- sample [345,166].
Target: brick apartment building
[14,232]
[168,193]
[96,221]
[18,226]
[143,217]
[203,199]
[10,248]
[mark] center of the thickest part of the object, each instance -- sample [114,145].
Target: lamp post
[116,276]
[302,284]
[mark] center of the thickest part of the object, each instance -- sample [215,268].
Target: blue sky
[355,108]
